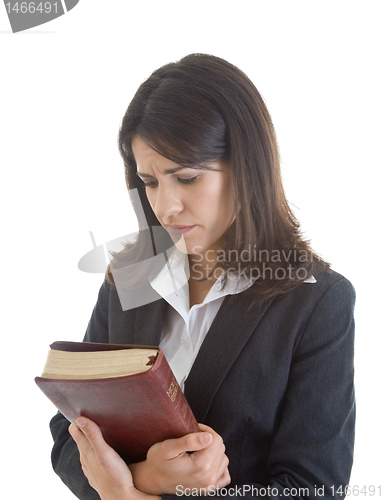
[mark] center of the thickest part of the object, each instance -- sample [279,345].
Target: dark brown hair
[204,109]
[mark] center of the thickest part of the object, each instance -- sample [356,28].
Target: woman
[257,328]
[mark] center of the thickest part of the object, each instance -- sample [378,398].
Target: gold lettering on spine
[172,391]
[184,410]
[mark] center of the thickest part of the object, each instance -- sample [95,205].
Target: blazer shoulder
[331,290]
[335,282]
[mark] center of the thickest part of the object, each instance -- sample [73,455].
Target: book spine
[173,394]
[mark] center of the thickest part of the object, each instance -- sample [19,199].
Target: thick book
[129,391]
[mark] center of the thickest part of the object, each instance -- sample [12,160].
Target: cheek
[151,199]
[214,200]
[216,211]
[213,196]
[222,200]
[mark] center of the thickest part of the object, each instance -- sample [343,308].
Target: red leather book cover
[133,412]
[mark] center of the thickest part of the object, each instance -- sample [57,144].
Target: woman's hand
[105,470]
[196,460]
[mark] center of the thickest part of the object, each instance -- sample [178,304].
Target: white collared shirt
[184,328]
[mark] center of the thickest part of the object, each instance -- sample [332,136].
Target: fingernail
[205,437]
[81,422]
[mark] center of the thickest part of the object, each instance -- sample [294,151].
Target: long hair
[203,109]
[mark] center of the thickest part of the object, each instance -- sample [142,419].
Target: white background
[64,88]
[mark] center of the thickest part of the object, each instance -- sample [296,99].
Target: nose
[167,202]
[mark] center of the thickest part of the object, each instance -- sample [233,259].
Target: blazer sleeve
[313,446]
[65,456]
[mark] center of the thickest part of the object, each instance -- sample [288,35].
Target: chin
[190,249]
[181,245]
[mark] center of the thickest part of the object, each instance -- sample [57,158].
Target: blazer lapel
[140,325]
[227,336]
[149,323]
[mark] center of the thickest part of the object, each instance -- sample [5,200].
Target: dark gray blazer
[275,382]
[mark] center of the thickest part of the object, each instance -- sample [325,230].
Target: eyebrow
[168,171]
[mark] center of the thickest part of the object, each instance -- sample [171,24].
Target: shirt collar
[174,275]
[173,278]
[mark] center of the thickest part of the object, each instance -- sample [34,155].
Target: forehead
[145,156]
[148,160]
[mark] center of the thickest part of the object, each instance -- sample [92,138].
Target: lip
[179,229]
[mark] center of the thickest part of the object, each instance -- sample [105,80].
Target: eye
[189,180]
[181,180]
[150,184]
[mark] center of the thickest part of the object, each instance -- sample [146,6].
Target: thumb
[189,443]
[92,433]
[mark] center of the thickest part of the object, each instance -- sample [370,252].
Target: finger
[206,428]
[217,442]
[214,455]
[222,467]
[224,480]
[79,438]
[172,448]
[216,447]
[93,434]
[84,447]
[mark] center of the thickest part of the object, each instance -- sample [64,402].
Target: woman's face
[195,203]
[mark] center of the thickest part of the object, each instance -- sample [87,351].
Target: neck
[201,266]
